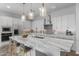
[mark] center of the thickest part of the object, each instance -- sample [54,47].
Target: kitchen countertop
[59,42]
[60,36]
[37,45]
[45,43]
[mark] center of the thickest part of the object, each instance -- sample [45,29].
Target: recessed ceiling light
[8,6]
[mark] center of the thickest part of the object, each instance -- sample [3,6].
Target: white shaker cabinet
[71,22]
[59,23]
[64,22]
[54,22]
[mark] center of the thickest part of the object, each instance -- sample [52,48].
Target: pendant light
[31,13]
[23,17]
[43,11]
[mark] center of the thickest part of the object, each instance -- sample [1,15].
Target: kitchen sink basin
[39,37]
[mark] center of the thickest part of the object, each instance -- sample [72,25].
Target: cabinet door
[54,23]
[71,22]
[6,21]
[64,22]
[9,21]
[58,22]
[15,22]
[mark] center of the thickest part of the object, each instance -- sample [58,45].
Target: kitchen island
[51,46]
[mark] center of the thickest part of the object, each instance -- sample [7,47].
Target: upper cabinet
[71,22]
[5,21]
[62,23]
[53,20]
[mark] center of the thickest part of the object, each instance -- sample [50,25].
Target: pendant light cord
[31,7]
[23,8]
[43,4]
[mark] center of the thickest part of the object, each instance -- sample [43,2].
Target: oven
[4,29]
[6,33]
[5,36]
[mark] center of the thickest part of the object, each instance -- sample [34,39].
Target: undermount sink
[39,37]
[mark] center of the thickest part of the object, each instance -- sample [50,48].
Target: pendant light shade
[31,14]
[23,17]
[43,11]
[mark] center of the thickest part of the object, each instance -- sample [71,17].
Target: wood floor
[4,51]
[71,53]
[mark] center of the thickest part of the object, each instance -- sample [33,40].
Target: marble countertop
[60,36]
[48,41]
[38,45]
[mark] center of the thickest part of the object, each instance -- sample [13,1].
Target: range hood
[48,26]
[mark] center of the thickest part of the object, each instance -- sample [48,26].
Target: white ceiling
[17,8]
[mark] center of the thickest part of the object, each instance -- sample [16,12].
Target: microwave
[6,29]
